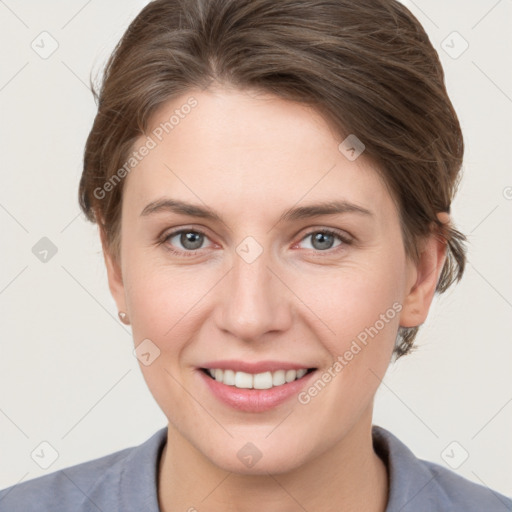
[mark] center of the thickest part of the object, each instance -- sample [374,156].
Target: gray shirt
[126,481]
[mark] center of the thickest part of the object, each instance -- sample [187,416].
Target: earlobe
[123,317]
[425,275]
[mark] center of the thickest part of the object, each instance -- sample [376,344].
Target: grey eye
[322,240]
[188,239]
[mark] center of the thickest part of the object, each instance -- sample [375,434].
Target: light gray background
[67,372]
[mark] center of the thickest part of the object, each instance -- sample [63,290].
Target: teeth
[265,380]
[243,380]
[278,378]
[290,375]
[262,380]
[229,377]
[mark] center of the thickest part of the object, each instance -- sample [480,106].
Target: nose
[254,300]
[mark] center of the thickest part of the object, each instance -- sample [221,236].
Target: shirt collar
[134,479]
[132,482]
[410,483]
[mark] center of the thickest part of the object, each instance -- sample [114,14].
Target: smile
[264,380]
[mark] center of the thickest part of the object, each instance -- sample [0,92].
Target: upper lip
[254,366]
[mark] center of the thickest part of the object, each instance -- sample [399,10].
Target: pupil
[189,237]
[321,237]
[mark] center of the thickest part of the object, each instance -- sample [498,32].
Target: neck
[349,477]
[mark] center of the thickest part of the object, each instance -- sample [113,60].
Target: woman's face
[259,286]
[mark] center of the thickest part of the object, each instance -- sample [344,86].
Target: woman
[272,182]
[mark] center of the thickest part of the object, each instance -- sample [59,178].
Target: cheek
[361,306]
[354,301]
[361,310]
[159,299]
[162,303]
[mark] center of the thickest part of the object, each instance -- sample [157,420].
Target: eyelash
[345,241]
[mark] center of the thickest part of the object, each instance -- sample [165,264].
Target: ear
[424,276]
[114,274]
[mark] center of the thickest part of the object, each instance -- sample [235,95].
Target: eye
[323,239]
[190,239]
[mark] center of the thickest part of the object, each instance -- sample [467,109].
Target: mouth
[263,380]
[254,387]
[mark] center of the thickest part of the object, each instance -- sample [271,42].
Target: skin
[250,156]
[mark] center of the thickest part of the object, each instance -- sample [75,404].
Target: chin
[242,456]
[276,463]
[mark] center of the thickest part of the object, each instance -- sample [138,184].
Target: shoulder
[61,490]
[417,484]
[96,484]
[455,490]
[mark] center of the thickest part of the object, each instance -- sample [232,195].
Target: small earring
[123,317]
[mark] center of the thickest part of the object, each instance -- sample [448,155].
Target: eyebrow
[293,214]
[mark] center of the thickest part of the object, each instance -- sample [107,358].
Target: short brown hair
[367,66]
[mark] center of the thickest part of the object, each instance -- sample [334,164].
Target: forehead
[248,151]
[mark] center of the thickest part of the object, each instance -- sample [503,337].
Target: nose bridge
[254,302]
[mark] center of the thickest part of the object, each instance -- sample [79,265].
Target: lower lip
[255,400]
